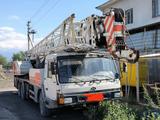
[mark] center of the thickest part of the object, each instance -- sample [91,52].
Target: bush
[118,111]
[112,110]
[153,104]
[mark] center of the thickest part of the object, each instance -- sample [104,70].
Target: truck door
[50,84]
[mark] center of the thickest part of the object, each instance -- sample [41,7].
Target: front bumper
[72,99]
[90,97]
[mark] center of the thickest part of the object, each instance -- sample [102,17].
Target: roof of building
[150,55]
[106,4]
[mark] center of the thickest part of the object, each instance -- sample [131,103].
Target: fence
[146,40]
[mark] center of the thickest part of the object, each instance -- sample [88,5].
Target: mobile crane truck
[76,64]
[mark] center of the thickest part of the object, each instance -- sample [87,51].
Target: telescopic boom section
[64,34]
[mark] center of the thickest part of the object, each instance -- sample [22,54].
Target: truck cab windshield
[86,69]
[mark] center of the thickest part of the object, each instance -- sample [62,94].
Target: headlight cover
[68,100]
[118,94]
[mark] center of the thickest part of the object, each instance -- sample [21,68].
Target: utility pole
[29,33]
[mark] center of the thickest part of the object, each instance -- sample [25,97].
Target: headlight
[118,94]
[67,100]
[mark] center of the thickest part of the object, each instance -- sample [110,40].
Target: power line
[47,12]
[39,9]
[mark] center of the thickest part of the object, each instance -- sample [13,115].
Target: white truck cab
[80,78]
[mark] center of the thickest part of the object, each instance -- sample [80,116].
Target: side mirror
[116,76]
[124,67]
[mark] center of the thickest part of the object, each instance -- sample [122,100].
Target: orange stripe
[97,97]
[37,78]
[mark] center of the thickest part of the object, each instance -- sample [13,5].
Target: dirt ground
[7,84]
[14,108]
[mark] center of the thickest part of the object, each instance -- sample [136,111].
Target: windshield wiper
[108,78]
[77,80]
[80,80]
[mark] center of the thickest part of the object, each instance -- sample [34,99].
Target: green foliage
[151,116]
[157,94]
[118,111]
[110,110]
[152,102]
[8,65]
[113,110]
[147,97]
[3,60]
[18,56]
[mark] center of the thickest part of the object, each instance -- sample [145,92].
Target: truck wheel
[19,89]
[45,112]
[22,92]
[26,91]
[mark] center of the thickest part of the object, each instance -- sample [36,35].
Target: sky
[45,16]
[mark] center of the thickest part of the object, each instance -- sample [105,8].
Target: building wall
[148,40]
[142,12]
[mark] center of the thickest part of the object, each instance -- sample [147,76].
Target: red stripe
[110,49]
[110,36]
[110,31]
[105,23]
[114,41]
[111,22]
[112,45]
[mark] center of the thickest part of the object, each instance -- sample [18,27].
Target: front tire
[45,112]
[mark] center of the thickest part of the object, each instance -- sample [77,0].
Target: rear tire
[22,92]
[19,89]
[45,112]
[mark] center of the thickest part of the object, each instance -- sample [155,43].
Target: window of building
[155,8]
[129,16]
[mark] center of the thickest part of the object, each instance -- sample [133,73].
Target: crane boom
[107,31]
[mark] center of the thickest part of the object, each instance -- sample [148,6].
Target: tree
[18,56]
[3,60]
